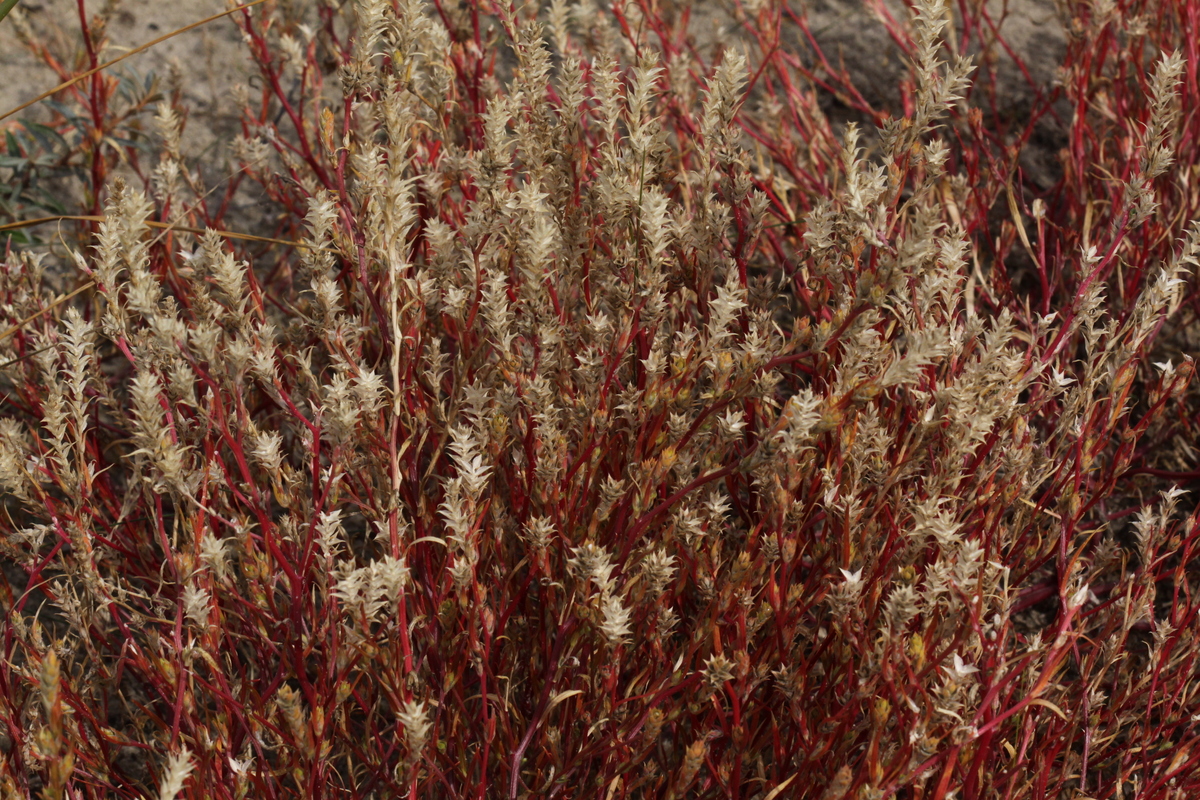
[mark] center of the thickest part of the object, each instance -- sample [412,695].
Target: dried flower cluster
[597,419]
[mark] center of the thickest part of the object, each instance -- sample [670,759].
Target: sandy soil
[210,60]
[206,61]
[1032,28]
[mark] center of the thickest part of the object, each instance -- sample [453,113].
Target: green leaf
[6,6]
[18,236]
[71,115]
[47,137]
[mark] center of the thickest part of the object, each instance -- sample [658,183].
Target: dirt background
[208,61]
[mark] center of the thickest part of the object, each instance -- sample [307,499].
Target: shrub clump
[586,417]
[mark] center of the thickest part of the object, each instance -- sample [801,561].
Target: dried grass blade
[247,237]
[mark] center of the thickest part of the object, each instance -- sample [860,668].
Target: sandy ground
[211,59]
[852,35]
[208,60]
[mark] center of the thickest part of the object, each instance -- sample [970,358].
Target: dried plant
[598,419]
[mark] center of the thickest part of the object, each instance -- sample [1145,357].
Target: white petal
[852,577]
[962,668]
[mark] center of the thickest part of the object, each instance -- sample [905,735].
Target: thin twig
[50,307]
[249,237]
[118,59]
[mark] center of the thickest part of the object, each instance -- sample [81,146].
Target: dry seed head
[32,538]
[1162,637]
[442,240]
[149,414]
[353,588]
[923,349]
[558,16]
[845,595]
[930,519]
[376,19]
[724,95]
[616,623]
[457,513]
[668,618]
[15,455]
[968,564]
[265,450]
[213,554]
[293,713]
[717,670]
[77,352]
[293,54]
[725,308]
[656,222]
[179,766]
[490,166]
[328,295]
[229,275]
[122,240]
[731,424]
[1164,113]
[462,571]
[49,681]
[819,227]
[593,564]
[21,27]
[369,390]
[391,575]
[196,603]
[539,532]
[330,533]
[692,760]
[840,785]
[170,128]
[340,411]
[960,670]
[414,718]
[322,215]
[1147,527]
[654,725]
[497,311]
[659,570]
[253,151]
[472,472]
[902,605]
[1161,296]
[370,589]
